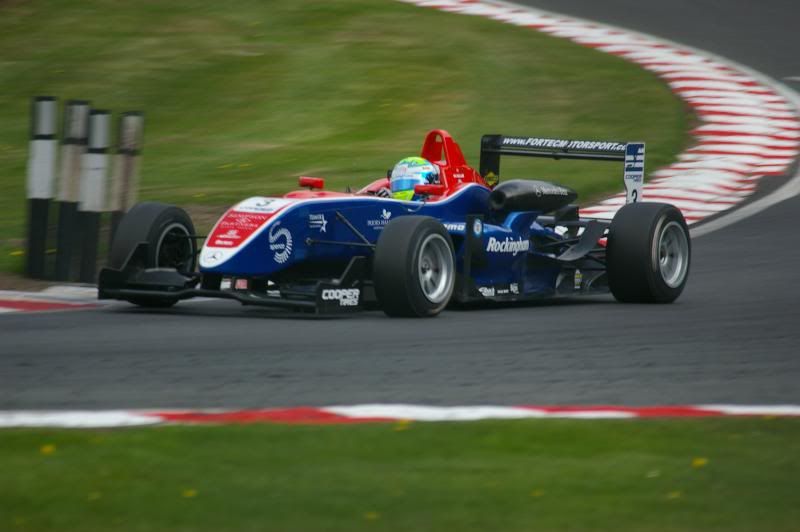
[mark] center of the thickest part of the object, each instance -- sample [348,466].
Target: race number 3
[634,171]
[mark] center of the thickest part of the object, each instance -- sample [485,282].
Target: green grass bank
[640,475]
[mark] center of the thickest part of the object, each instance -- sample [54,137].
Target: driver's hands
[383,192]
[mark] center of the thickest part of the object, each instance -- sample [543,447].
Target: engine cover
[530,195]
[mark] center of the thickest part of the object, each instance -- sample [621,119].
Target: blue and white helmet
[410,172]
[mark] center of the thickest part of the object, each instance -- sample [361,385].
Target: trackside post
[40,181]
[73,146]
[92,191]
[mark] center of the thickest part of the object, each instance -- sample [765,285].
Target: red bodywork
[439,148]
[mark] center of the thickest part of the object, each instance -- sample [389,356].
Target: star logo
[318,221]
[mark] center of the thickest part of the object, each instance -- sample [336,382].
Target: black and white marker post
[93,191]
[125,177]
[41,178]
[73,147]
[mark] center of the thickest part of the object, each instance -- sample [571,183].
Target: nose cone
[240,225]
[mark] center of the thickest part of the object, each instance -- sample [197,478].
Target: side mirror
[312,182]
[429,190]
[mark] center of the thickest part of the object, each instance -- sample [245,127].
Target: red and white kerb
[376,413]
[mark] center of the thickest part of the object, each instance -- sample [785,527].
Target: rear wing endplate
[630,153]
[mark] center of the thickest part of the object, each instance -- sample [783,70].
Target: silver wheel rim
[435,269]
[673,254]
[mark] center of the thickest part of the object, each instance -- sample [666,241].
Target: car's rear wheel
[413,267]
[168,232]
[648,254]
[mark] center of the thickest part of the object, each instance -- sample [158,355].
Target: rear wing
[630,153]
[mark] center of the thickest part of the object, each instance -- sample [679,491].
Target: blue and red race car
[469,238]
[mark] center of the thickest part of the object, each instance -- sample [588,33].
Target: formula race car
[468,238]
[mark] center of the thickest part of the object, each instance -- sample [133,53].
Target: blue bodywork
[329,230]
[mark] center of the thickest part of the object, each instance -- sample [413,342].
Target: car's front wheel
[414,267]
[169,234]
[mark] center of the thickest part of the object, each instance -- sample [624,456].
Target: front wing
[161,287]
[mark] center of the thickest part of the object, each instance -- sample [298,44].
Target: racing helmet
[410,172]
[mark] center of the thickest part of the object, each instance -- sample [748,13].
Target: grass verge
[709,474]
[240,101]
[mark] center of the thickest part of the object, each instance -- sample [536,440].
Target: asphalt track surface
[733,337]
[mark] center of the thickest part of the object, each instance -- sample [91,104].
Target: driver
[409,172]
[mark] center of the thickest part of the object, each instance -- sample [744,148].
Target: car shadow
[230,309]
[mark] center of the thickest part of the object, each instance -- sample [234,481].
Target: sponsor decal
[477,227]
[492,291]
[578,279]
[486,291]
[280,242]
[491,179]
[509,245]
[347,297]
[378,224]
[459,175]
[235,227]
[213,256]
[634,162]
[561,144]
[318,221]
[551,190]
[228,239]
[455,227]
[634,172]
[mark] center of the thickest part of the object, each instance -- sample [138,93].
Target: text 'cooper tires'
[648,254]
[413,267]
[166,230]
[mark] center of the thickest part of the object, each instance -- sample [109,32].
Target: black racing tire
[164,228]
[413,269]
[648,253]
